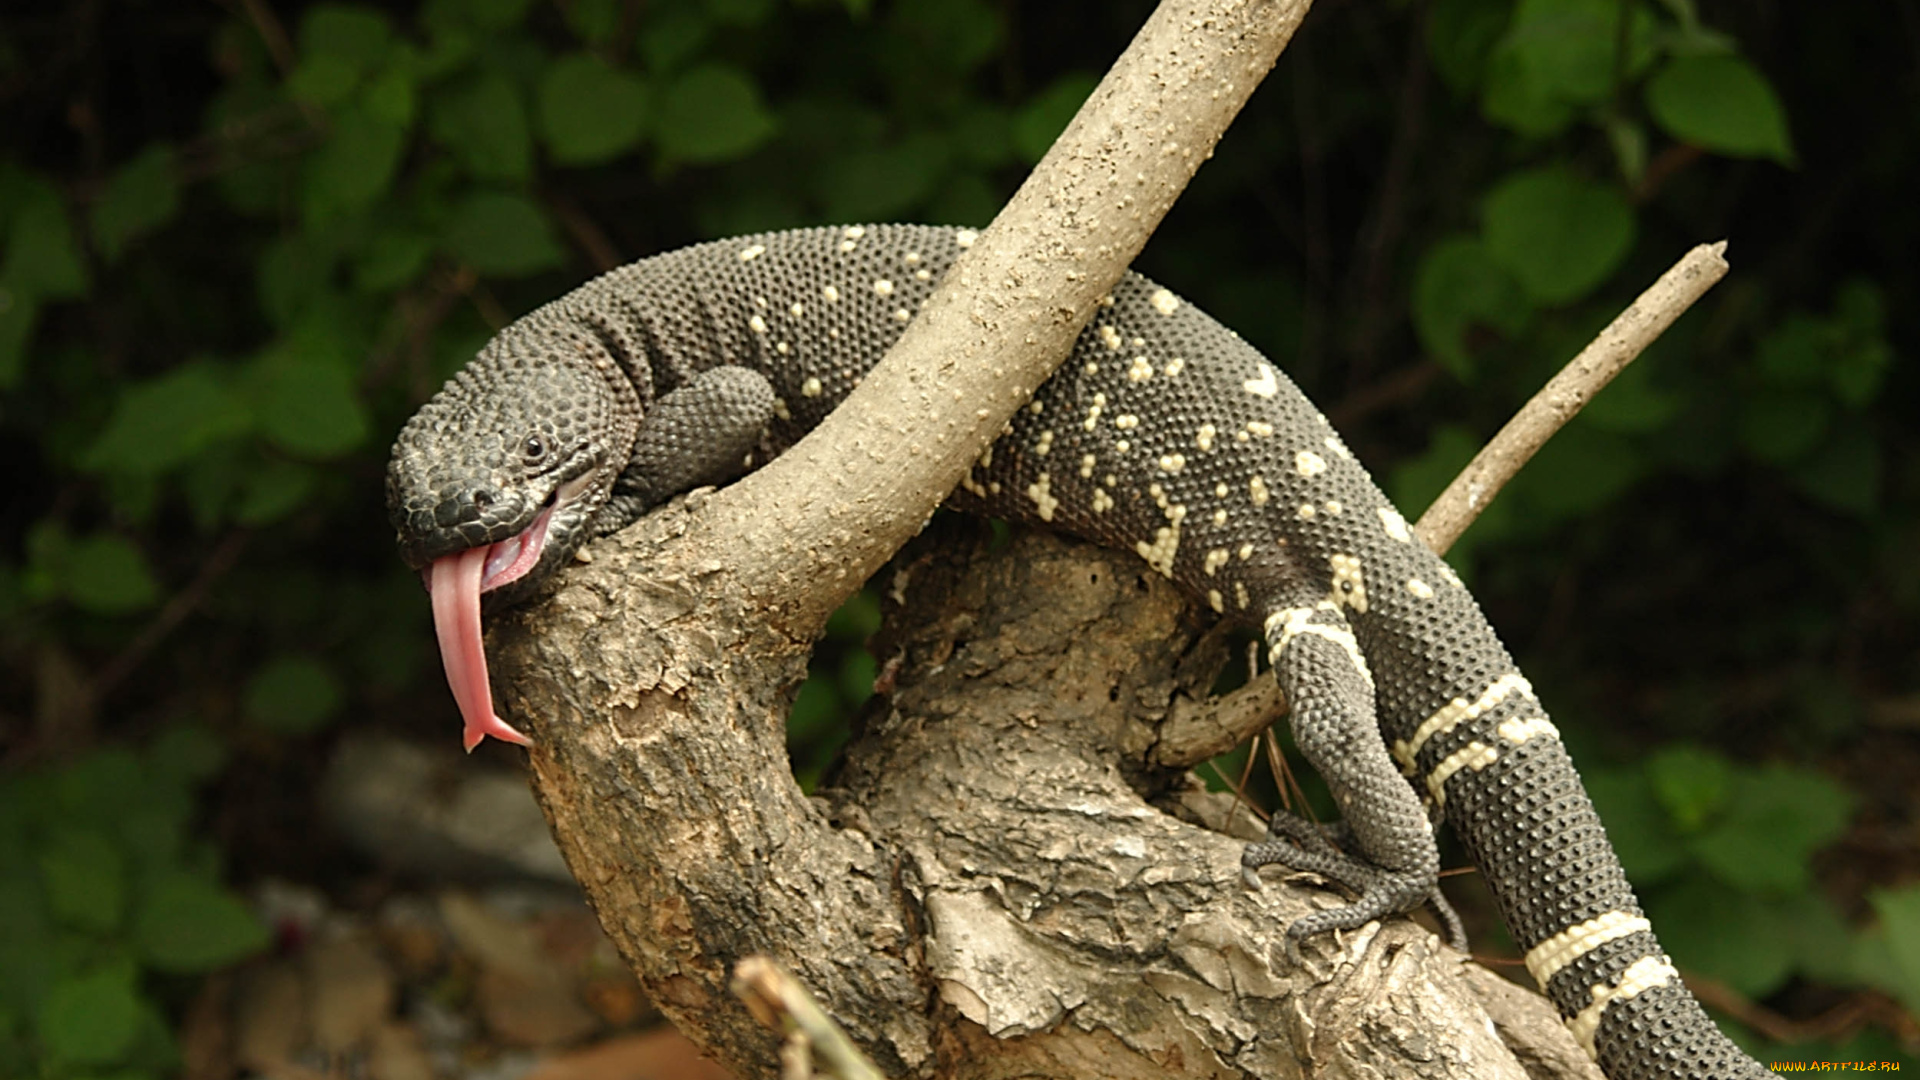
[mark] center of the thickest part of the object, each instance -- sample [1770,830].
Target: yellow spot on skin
[1420,588]
[759,324]
[1545,960]
[1264,385]
[1451,714]
[1257,489]
[1395,525]
[1043,498]
[1123,446]
[1263,430]
[780,409]
[760,302]
[848,245]
[1215,559]
[1474,755]
[986,457]
[1093,412]
[1102,502]
[1220,516]
[1160,553]
[1175,366]
[1165,302]
[751,253]
[1309,464]
[911,258]
[1139,370]
[1106,301]
[831,294]
[1036,407]
[1172,462]
[1126,421]
[1283,626]
[782,348]
[1240,598]
[854,232]
[810,388]
[1220,490]
[1112,481]
[1217,602]
[1334,507]
[1349,586]
[1044,443]
[1306,511]
[1642,975]
[923,275]
[1086,467]
[1093,368]
[1110,337]
[965,237]
[1246,552]
[798,310]
[1204,437]
[1339,448]
[883,287]
[1521,730]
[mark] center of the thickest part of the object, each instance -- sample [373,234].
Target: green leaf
[883,183]
[1639,827]
[1720,103]
[741,13]
[186,925]
[42,258]
[1632,403]
[158,425]
[306,405]
[354,166]
[856,620]
[1457,288]
[141,197]
[1559,234]
[504,235]
[1461,35]
[1581,469]
[1899,911]
[187,753]
[1780,427]
[1040,121]
[1569,49]
[596,21]
[712,114]
[589,111]
[1777,817]
[1844,472]
[85,879]
[392,258]
[273,489]
[90,1019]
[293,695]
[484,122]
[106,574]
[959,35]
[1692,783]
[17,312]
[357,36]
[1743,940]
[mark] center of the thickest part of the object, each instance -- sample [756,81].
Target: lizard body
[1163,433]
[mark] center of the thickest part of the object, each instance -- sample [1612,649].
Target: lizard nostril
[482,499]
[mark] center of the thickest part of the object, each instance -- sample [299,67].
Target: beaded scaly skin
[1163,434]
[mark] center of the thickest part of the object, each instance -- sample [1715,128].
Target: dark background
[240,241]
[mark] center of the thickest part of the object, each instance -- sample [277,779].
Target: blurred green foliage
[238,244]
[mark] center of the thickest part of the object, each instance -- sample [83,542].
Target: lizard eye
[536,448]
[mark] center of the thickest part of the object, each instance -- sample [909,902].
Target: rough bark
[1006,879]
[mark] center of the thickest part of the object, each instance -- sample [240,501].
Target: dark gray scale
[1166,435]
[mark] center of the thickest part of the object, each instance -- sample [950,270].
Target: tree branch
[1568,392]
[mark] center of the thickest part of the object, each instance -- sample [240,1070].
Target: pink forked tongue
[454,582]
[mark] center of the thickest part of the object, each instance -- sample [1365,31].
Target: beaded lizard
[1162,433]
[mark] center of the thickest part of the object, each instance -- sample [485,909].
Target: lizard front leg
[703,432]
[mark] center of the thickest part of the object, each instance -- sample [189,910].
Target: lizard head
[496,482]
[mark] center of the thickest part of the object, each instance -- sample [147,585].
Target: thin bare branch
[813,1044]
[1568,392]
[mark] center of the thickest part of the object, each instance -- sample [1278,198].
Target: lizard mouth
[455,583]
